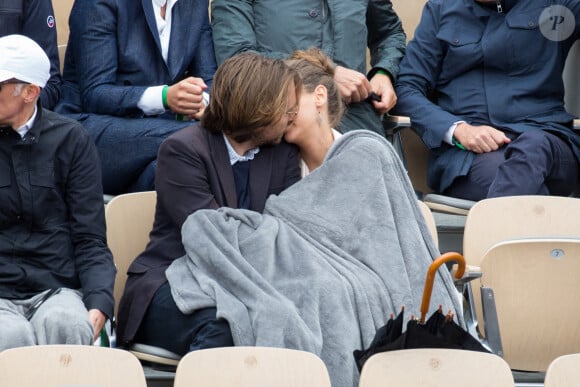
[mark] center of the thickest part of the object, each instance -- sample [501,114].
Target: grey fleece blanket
[325,264]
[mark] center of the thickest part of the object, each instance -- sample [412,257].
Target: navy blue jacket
[35,19]
[52,222]
[486,68]
[114,54]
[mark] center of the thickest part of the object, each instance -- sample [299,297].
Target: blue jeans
[128,148]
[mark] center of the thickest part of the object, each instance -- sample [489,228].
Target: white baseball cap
[23,59]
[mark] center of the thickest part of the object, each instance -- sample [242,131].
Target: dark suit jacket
[114,53]
[194,172]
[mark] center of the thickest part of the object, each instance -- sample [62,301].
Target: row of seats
[68,365]
[527,248]
[528,251]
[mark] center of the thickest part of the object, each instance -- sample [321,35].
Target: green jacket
[341,28]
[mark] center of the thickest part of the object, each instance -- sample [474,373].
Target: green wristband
[164,97]
[382,72]
[457,144]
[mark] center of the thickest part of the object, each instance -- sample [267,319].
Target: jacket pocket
[42,177]
[48,203]
[528,48]
[462,50]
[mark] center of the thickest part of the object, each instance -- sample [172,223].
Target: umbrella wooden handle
[431,278]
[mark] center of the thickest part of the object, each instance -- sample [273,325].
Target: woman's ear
[320,95]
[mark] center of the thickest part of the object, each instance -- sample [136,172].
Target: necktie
[241,177]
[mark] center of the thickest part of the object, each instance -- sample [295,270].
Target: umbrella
[439,331]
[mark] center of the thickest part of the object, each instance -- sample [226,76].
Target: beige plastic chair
[515,217]
[409,12]
[251,367]
[428,215]
[69,365]
[535,287]
[62,10]
[129,220]
[492,221]
[435,367]
[564,371]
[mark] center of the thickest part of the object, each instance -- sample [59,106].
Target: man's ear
[30,93]
[320,95]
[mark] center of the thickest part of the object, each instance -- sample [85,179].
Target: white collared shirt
[151,102]
[26,127]
[235,157]
[163,25]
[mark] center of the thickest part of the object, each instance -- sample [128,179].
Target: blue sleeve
[204,62]
[40,26]
[93,27]
[418,76]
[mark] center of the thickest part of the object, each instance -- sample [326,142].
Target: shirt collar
[26,127]
[234,157]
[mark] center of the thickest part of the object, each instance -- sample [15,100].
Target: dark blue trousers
[128,148]
[165,326]
[533,163]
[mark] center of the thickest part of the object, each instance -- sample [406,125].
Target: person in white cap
[35,19]
[56,272]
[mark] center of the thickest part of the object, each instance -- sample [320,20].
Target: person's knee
[213,334]
[534,140]
[64,326]
[15,333]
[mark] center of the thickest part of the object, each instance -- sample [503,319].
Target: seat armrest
[448,204]
[155,355]
[396,123]
[490,321]
[471,273]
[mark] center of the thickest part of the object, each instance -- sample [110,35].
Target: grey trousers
[61,319]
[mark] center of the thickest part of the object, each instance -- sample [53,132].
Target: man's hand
[381,84]
[352,85]
[97,319]
[185,97]
[480,139]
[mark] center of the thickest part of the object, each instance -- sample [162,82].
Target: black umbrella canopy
[439,331]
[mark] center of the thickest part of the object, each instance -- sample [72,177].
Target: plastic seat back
[564,371]
[129,221]
[535,284]
[435,367]
[69,365]
[251,367]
